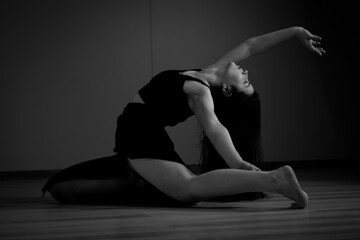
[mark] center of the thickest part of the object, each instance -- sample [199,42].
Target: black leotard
[164,93]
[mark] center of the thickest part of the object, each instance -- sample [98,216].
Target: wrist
[297,30]
[244,165]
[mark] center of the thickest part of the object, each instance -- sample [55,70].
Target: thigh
[169,177]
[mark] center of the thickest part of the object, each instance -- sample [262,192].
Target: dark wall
[69,67]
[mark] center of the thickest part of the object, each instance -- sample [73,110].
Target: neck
[211,75]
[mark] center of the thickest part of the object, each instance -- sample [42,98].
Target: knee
[57,192]
[61,193]
[188,193]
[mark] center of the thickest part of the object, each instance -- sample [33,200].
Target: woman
[219,96]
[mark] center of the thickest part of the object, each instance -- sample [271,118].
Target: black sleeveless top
[164,94]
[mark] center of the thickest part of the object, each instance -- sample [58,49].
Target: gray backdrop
[69,67]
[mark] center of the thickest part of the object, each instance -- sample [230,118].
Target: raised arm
[259,44]
[201,103]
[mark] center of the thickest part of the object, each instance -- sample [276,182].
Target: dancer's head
[235,80]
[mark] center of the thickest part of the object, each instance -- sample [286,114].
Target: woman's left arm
[259,44]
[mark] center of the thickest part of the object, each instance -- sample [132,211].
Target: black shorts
[139,134]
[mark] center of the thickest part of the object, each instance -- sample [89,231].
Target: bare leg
[177,181]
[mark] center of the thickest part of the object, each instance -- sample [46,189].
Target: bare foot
[289,186]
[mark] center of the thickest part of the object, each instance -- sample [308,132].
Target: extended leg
[177,181]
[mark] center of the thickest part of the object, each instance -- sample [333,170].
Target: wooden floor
[333,213]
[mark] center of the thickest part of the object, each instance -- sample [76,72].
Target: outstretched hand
[311,41]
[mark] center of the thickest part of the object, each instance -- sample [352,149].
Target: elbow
[251,46]
[214,131]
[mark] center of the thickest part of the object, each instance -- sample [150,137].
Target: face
[237,79]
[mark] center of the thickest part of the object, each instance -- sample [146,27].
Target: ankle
[275,181]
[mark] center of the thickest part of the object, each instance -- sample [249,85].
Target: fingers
[314,43]
[256,169]
[321,51]
[316,47]
[314,37]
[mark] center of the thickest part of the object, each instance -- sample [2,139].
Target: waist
[135,113]
[165,113]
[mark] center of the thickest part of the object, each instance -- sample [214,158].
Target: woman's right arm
[259,44]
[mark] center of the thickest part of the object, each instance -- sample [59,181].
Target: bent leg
[177,181]
[90,190]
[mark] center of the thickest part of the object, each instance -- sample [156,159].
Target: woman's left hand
[249,166]
[311,41]
[255,168]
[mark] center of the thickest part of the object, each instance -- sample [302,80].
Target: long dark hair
[240,114]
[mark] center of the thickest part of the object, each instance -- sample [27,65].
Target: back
[164,93]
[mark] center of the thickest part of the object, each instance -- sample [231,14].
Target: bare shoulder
[195,89]
[199,99]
